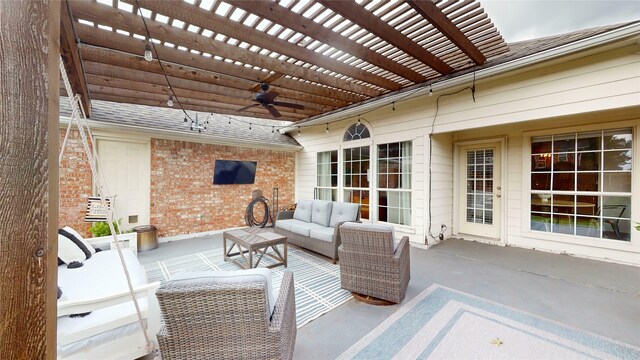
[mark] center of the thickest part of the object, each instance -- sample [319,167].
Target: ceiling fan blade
[273,111]
[290,105]
[247,107]
[271,95]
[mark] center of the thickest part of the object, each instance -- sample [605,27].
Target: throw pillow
[80,244]
[73,232]
[69,252]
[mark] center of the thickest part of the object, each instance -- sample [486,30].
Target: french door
[480,190]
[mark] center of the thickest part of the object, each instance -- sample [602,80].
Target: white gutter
[178,135]
[584,44]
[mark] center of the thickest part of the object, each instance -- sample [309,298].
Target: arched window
[356,132]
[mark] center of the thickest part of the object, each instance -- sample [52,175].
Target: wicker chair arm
[403,247]
[284,215]
[285,305]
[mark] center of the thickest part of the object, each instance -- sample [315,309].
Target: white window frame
[377,189]
[332,188]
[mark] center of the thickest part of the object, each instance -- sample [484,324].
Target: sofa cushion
[321,212]
[324,234]
[304,229]
[343,211]
[237,276]
[286,224]
[303,210]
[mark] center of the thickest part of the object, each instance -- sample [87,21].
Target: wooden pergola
[212,55]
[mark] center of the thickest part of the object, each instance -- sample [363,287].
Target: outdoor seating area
[319,179]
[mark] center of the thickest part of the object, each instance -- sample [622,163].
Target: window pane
[563,181]
[588,226]
[564,143]
[589,141]
[587,205]
[562,224]
[564,162]
[540,162]
[540,222]
[617,160]
[541,181]
[541,145]
[617,182]
[588,181]
[618,139]
[564,204]
[589,161]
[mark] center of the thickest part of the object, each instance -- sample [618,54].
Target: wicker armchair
[206,319]
[369,263]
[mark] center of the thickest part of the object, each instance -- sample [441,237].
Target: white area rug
[442,323]
[317,281]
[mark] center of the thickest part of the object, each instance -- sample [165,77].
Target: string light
[273,129]
[358,123]
[229,121]
[170,101]
[430,91]
[249,126]
[327,130]
[393,104]
[298,130]
[148,55]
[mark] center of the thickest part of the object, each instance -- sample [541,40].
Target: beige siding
[564,94]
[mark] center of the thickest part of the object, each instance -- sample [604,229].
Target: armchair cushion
[303,210]
[378,228]
[321,212]
[342,211]
[238,276]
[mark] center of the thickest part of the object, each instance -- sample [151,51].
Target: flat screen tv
[228,172]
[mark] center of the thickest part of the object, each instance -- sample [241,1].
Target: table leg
[250,257]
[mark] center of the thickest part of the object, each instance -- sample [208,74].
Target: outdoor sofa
[314,225]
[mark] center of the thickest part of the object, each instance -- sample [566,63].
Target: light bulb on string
[250,126]
[358,123]
[393,106]
[148,55]
[298,130]
[170,101]
[327,130]
[273,129]
[430,91]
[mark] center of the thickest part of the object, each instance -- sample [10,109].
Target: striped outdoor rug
[317,281]
[442,323]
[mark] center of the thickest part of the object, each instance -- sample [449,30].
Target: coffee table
[254,240]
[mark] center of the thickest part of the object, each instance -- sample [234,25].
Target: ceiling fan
[267,98]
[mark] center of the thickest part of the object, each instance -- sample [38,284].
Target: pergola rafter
[320,54]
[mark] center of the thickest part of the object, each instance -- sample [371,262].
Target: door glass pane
[479,202]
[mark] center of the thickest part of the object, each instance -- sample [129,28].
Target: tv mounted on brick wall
[228,172]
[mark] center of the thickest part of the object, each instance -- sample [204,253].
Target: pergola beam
[431,12]
[359,15]
[125,73]
[198,68]
[123,20]
[199,108]
[99,83]
[220,24]
[71,59]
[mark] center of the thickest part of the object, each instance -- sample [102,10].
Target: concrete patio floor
[595,296]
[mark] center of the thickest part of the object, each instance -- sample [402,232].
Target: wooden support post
[29,131]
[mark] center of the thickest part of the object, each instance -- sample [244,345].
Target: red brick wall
[75,184]
[182,189]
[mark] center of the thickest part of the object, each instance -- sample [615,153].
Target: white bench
[112,329]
